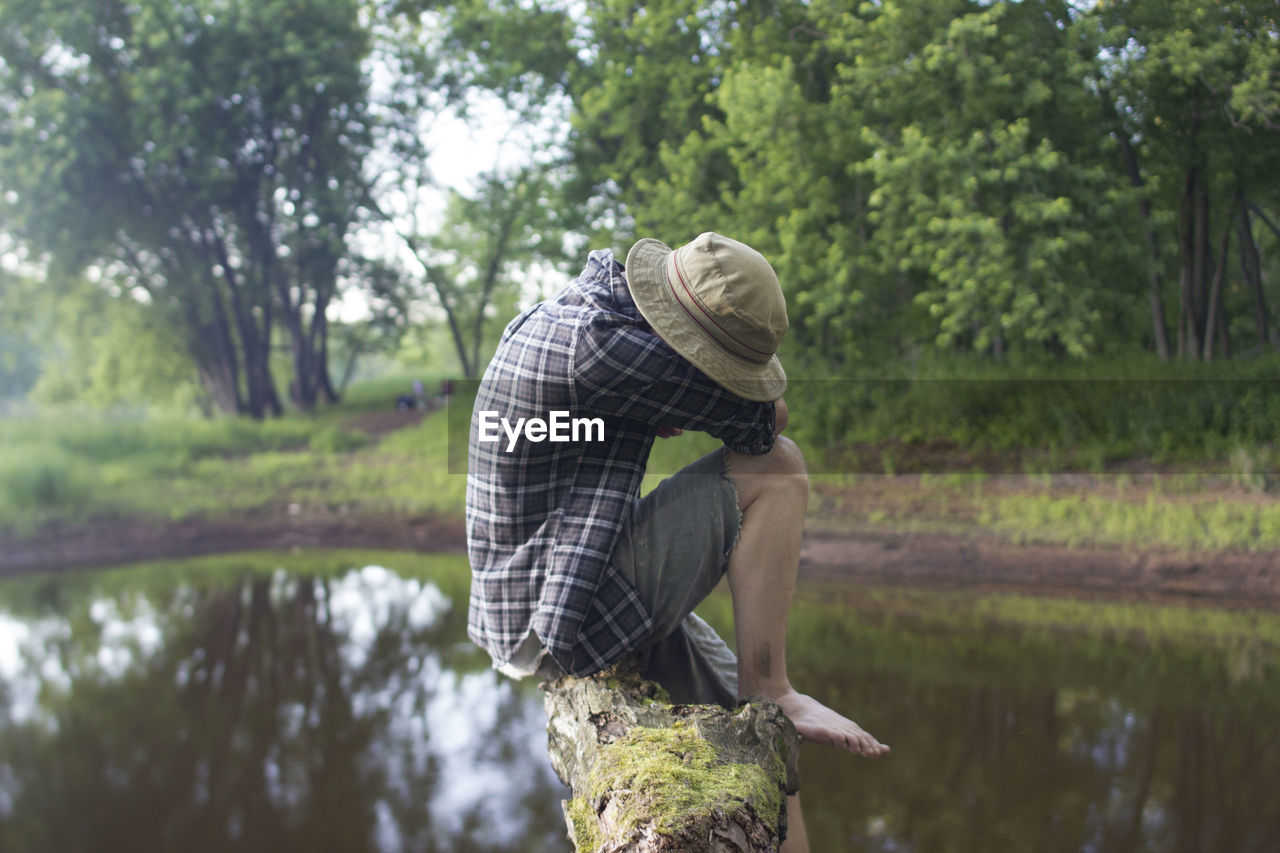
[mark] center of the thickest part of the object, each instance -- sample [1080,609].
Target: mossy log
[649,776]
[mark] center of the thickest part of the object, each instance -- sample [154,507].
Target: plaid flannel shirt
[543,519]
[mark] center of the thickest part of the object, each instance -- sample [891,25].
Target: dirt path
[949,561]
[106,544]
[941,561]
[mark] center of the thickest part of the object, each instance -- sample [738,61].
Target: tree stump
[650,776]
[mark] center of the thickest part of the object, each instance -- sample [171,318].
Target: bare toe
[817,722]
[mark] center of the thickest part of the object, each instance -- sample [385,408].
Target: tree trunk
[1202,259]
[1155,280]
[648,776]
[303,386]
[1216,321]
[244,297]
[221,387]
[1251,264]
[268,381]
[1191,322]
[324,382]
[210,343]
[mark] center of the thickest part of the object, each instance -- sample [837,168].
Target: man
[571,569]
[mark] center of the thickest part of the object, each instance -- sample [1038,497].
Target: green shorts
[674,549]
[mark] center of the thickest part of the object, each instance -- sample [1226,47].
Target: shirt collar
[604,272]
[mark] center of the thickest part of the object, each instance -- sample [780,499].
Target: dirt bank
[869,556]
[58,548]
[986,563]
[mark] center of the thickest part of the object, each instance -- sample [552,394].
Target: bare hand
[669,432]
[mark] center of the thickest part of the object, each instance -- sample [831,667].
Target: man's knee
[786,457]
[783,458]
[781,470]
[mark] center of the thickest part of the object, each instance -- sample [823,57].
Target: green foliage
[380,393]
[206,155]
[44,478]
[640,84]
[490,240]
[22,327]
[333,439]
[158,578]
[1255,468]
[1003,178]
[1136,408]
[98,438]
[77,465]
[106,350]
[1204,523]
[71,463]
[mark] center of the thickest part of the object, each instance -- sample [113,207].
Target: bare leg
[797,836]
[773,492]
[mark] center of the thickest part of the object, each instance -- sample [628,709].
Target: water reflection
[240,705]
[266,712]
[1023,740]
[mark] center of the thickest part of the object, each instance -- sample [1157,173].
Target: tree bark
[244,297]
[1155,280]
[648,776]
[1216,321]
[1251,264]
[1202,261]
[324,381]
[1191,323]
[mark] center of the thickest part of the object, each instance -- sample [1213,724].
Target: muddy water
[332,702]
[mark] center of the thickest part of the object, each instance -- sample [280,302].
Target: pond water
[330,701]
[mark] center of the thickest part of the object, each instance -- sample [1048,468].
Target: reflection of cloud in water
[451,757]
[488,735]
[29,663]
[257,712]
[124,633]
[364,602]
[32,652]
[473,731]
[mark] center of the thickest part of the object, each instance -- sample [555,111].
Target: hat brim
[647,280]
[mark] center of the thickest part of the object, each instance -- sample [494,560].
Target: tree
[929,176]
[986,191]
[467,257]
[206,153]
[478,253]
[106,349]
[1196,88]
[20,334]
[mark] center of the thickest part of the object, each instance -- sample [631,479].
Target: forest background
[1029,238]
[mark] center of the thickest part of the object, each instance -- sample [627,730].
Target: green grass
[1196,523]
[1182,511]
[1080,416]
[379,394]
[74,466]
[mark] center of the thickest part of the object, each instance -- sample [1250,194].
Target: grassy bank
[1192,511]
[72,466]
[1003,467]
[962,414]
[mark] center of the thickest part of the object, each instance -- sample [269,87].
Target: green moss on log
[670,773]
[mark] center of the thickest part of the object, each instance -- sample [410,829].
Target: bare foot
[819,723]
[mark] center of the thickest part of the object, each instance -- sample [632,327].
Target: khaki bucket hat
[718,303]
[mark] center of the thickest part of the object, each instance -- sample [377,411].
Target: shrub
[332,439]
[44,477]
